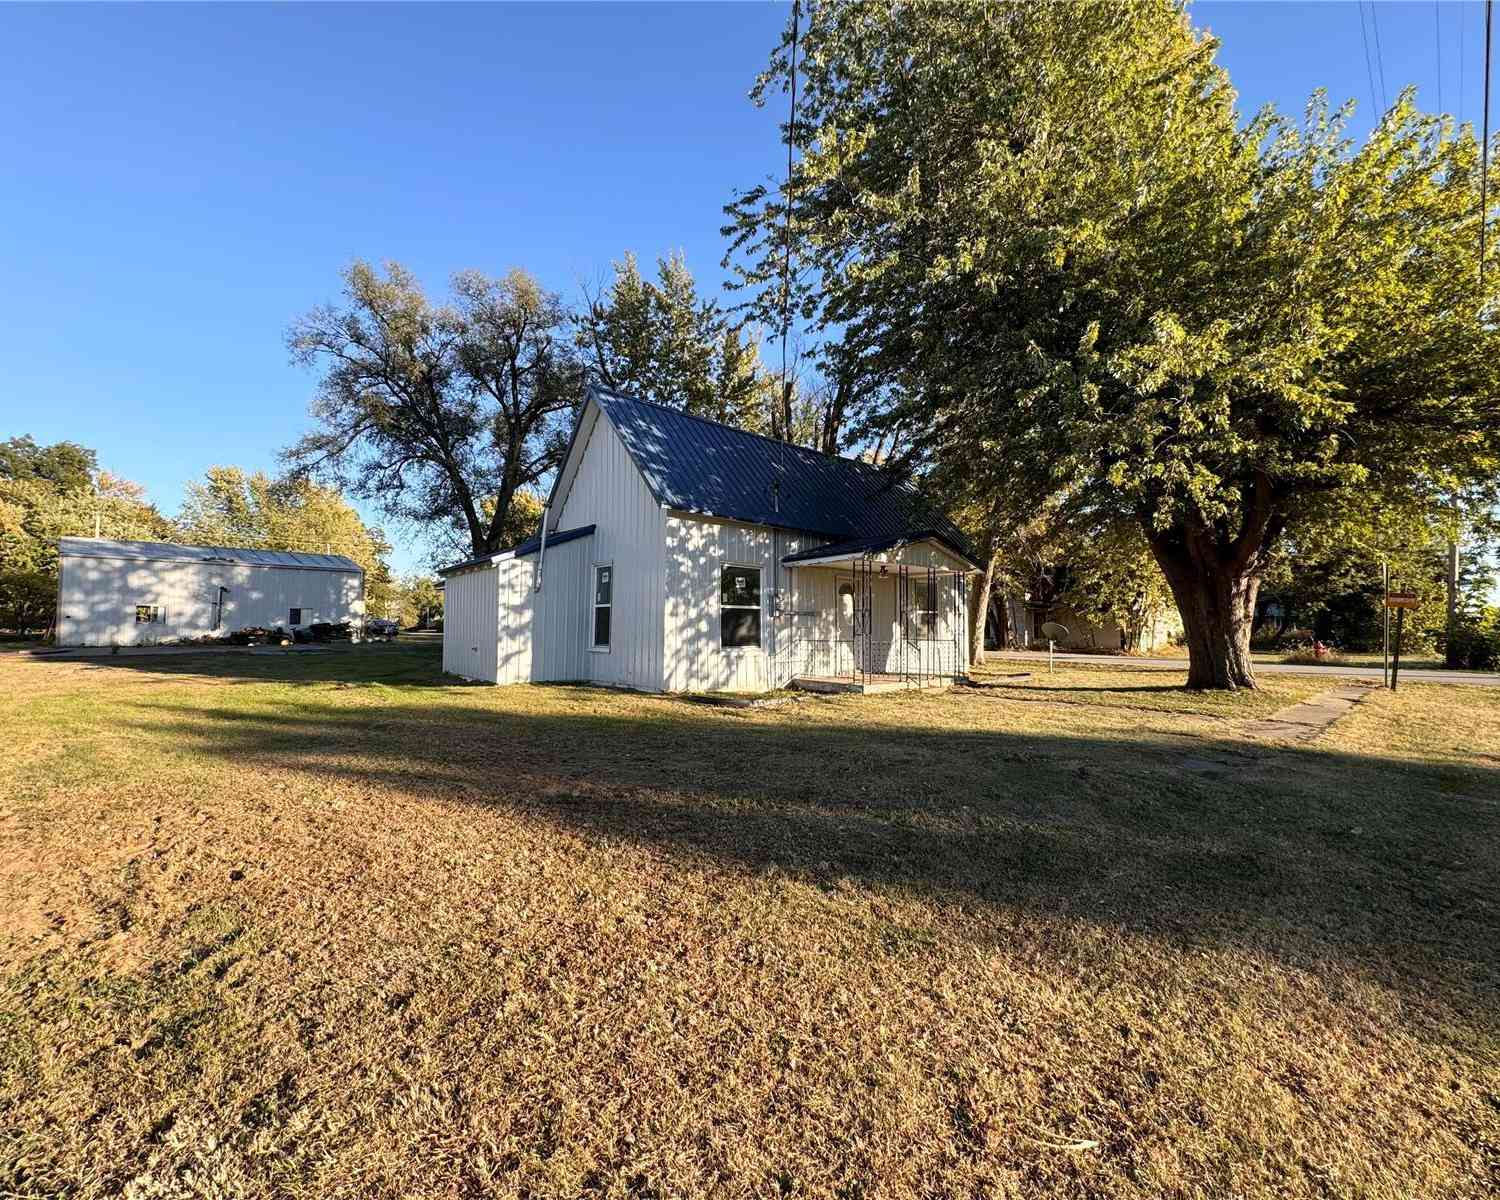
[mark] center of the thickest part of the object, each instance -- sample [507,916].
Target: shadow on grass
[409,664]
[1321,859]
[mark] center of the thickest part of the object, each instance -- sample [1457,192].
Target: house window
[294,616]
[149,614]
[922,605]
[604,590]
[739,606]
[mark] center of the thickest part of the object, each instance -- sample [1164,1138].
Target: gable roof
[700,466]
[80,547]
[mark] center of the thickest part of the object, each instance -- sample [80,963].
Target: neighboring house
[679,554]
[1015,622]
[144,593]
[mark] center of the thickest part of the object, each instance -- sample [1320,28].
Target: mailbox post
[1400,601]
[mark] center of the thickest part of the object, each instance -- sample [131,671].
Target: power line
[1379,57]
[1364,36]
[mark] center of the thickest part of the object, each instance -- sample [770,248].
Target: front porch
[869,619]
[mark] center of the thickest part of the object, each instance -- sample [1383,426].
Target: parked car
[381,627]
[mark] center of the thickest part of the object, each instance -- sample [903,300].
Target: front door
[849,640]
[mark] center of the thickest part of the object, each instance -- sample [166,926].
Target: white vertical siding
[696,551]
[470,620]
[515,607]
[560,628]
[607,491]
[98,597]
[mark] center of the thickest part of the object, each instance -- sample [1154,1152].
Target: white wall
[697,548]
[98,596]
[629,526]
[469,623]
[514,603]
[562,614]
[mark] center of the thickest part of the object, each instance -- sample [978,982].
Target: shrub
[1476,641]
[1306,656]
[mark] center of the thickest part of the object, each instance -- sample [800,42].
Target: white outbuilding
[144,593]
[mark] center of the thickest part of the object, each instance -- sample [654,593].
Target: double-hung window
[739,606]
[604,590]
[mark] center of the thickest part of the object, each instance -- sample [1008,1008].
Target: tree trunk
[979,609]
[1216,599]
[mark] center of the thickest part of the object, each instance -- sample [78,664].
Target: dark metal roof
[700,466]
[79,547]
[530,546]
[874,545]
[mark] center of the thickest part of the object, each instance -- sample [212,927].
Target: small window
[294,616]
[148,614]
[739,607]
[604,590]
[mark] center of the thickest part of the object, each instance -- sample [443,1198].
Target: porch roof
[857,548]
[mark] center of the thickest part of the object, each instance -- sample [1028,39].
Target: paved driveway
[1414,675]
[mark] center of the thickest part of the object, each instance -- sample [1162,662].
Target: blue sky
[182,182]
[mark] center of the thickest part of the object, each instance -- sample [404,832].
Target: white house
[142,593]
[679,554]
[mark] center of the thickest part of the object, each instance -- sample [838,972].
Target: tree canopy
[439,413]
[1095,281]
[49,492]
[660,340]
[233,507]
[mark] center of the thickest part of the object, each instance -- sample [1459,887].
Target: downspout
[542,551]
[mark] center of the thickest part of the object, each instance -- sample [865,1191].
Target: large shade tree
[1104,284]
[440,414]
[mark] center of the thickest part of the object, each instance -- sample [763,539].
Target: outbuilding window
[604,591]
[148,614]
[739,606]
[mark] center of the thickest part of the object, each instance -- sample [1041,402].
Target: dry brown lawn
[328,925]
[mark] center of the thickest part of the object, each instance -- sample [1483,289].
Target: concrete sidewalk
[1126,662]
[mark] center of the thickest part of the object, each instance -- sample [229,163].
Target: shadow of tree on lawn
[1315,857]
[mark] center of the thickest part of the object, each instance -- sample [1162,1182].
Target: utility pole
[1451,653]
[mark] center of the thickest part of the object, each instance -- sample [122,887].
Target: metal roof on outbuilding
[521,550]
[78,547]
[700,466]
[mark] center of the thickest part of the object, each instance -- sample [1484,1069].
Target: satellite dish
[1054,632]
